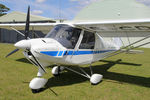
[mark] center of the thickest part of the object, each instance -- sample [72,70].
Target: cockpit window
[88,41]
[65,34]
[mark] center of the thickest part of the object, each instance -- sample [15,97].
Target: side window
[75,36]
[88,41]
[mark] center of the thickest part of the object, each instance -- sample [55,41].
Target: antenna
[60,11]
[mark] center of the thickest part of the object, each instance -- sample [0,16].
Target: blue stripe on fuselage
[60,53]
[54,53]
[50,53]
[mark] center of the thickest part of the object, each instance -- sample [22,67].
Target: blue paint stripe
[54,53]
[50,53]
[60,53]
[82,52]
[65,53]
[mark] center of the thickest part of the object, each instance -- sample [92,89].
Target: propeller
[26,31]
[25,44]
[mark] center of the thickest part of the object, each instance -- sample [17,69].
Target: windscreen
[65,34]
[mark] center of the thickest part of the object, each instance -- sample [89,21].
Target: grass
[128,79]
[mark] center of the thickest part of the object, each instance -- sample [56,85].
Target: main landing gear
[57,70]
[94,78]
[37,84]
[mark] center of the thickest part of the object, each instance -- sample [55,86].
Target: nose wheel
[57,70]
[37,84]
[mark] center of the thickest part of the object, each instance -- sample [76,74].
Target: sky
[55,9]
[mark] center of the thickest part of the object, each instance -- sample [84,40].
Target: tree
[3,9]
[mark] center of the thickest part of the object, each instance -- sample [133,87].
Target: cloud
[40,1]
[37,12]
[83,2]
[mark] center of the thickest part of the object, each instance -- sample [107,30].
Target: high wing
[98,26]
[116,26]
[35,26]
[138,29]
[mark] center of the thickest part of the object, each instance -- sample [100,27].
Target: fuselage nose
[23,44]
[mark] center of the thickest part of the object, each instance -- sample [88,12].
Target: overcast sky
[51,8]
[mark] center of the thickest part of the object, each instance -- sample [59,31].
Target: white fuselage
[67,45]
[48,51]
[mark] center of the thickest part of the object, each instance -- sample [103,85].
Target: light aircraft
[74,44]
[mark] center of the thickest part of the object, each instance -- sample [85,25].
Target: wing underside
[117,26]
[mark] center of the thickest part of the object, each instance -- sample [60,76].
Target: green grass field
[128,79]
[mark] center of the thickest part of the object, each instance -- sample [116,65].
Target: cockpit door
[84,50]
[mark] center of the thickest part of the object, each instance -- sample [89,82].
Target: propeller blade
[12,52]
[26,31]
[27,24]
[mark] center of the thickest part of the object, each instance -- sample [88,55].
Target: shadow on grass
[24,60]
[69,78]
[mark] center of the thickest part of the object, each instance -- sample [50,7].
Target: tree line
[3,9]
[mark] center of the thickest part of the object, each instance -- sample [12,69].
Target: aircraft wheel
[37,90]
[37,84]
[96,78]
[57,70]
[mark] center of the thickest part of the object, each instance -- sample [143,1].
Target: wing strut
[17,31]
